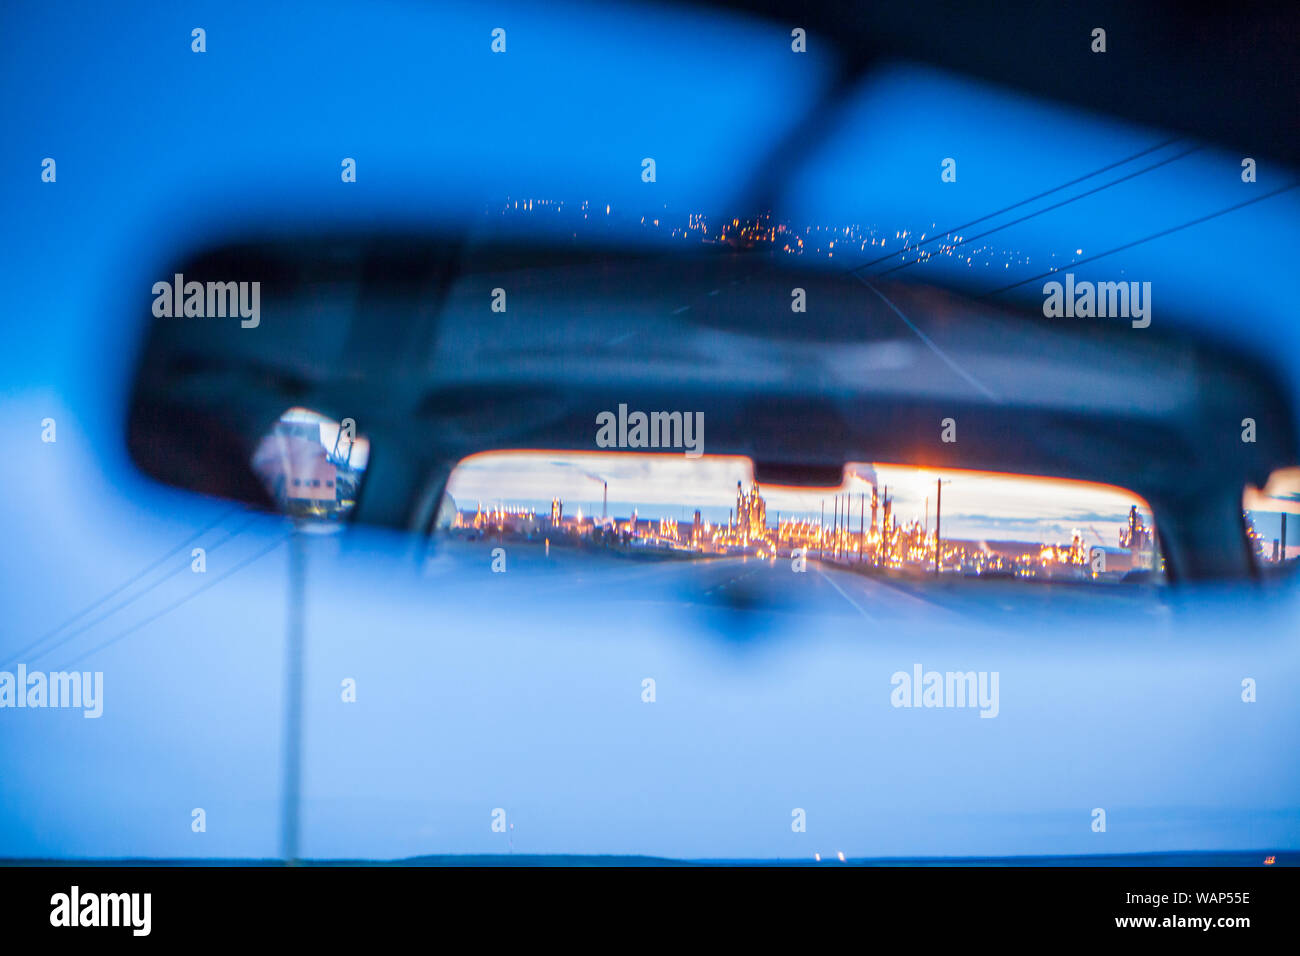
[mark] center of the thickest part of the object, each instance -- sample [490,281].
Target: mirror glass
[311,465]
[895,520]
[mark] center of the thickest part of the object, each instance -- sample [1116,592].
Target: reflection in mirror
[312,465]
[1274,545]
[896,521]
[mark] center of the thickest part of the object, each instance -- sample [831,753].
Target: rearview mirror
[444,350]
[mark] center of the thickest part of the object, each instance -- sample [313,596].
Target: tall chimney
[938,508]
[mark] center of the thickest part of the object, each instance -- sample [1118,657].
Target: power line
[1017,205]
[63,641]
[1156,235]
[173,606]
[118,590]
[1047,209]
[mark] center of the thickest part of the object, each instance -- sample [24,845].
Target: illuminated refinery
[860,530]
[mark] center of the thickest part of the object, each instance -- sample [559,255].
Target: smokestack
[938,507]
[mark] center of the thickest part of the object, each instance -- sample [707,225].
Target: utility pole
[862,526]
[839,531]
[835,524]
